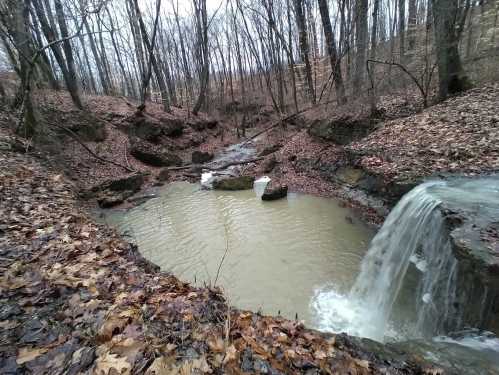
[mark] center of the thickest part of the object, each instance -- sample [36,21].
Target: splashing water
[410,259]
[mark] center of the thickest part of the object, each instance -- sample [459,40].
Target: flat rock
[233,183]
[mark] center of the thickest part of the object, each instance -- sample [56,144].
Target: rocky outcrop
[341,132]
[151,129]
[475,243]
[200,157]
[115,191]
[233,183]
[274,191]
[84,124]
[200,124]
[156,157]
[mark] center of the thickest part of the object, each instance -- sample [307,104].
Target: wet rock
[163,175]
[154,157]
[233,183]
[108,199]
[112,192]
[200,157]
[132,182]
[269,150]
[274,191]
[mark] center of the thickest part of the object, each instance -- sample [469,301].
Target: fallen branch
[230,164]
[207,166]
[77,139]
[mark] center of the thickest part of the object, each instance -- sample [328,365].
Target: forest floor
[75,297]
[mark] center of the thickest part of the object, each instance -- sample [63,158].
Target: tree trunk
[411,26]
[71,80]
[361,7]
[203,53]
[332,52]
[451,76]
[304,49]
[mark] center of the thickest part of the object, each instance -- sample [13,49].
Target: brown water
[279,253]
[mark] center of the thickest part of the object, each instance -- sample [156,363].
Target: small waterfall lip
[413,246]
[472,338]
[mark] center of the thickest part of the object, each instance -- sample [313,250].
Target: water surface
[279,253]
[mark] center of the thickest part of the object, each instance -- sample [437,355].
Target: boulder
[108,199]
[154,157]
[274,191]
[146,128]
[200,157]
[233,183]
[151,129]
[269,150]
[269,164]
[114,191]
[132,182]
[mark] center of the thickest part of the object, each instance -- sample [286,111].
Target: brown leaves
[459,135]
[29,354]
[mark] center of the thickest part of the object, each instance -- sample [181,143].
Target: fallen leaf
[29,354]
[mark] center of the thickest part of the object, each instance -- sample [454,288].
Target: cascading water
[410,274]
[412,233]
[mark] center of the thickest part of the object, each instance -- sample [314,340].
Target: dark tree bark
[304,48]
[446,17]
[361,7]
[202,52]
[334,61]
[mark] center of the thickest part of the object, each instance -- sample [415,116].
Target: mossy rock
[234,183]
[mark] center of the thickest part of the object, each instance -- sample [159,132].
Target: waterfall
[414,242]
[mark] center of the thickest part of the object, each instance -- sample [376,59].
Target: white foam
[483,341]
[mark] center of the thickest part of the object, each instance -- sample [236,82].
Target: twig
[226,165]
[225,253]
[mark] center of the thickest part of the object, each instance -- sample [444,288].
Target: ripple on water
[279,252]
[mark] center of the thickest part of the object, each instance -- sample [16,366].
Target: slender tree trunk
[374,29]
[401,4]
[304,49]
[361,7]
[412,26]
[334,61]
